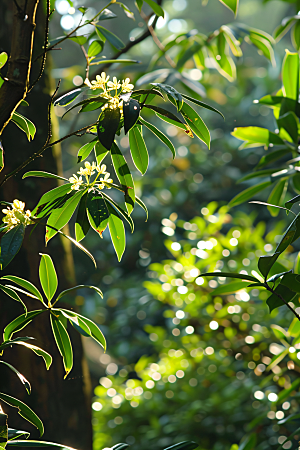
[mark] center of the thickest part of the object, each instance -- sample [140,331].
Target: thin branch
[42,68]
[282,299]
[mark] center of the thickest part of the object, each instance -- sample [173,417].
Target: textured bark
[63,405]
[16,82]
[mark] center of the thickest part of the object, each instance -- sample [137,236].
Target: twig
[157,41]
[42,68]
[282,299]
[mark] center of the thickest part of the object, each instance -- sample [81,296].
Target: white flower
[76,182]
[16,215]
[114,84]
[104,180]
[101,169]
[126,86]
[89,169]
[99,83]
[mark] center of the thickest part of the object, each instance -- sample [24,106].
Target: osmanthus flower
[77,182]
[88,170]
[113,101]
[16,215]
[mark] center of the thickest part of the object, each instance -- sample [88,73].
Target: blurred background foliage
[184,361]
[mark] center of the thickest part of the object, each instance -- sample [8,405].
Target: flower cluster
[113,101]
[16,215]
[87,171]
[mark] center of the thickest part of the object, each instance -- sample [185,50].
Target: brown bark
[62,405]
[16,82]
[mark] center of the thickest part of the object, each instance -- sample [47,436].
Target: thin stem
[282,299]
[73,31]
[87,70]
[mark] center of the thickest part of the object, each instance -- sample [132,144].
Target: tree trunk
[62,405]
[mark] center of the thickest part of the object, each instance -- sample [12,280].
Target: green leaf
[139,4]
[24,124]
[100,152]
[160,135]
[120,446]
[3,59]
[120,210]
[19,375]
[292,281]
[284,27]
[97,212]
[67,98]
[241,276]
[106,14]
[295,35]
[85,150]
[80,286]
[230,288]
[233,6]
[26,285]
[61,216]
[271,157]
[111,37]
[202,104]
[290,75]
[11,293]
[156,8]
[260,173]
[248,442]
[28,443]
[117,232]
[87,325]
[248,193]
[169,91]
[96,61]
[274,301]
[127,11]
[263,46]
[288,123]
[13,434]
[82,225]
[48,277]
[11,243]
[256,136]
[81,40]
[184,445]
[142,205]
[277,195]
[8,343]
[138,149]
[196,123]
[131,110]
[124,176]
[38,351]
[167,116]
[3,425]
[286,392]
[63,342]
[107,126]
[38,173]
[289,418]
[51,197]
[24,411]
[19,323]
[95,48]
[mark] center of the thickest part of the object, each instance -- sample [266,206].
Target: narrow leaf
[48,277]
[63,342]
[24,411]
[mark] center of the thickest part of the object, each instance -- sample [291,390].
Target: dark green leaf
[231,287]
[11,293]
[98,214]
[271,157]
[292,281]
[241,276]
[156,8]
[172,92]
[142,205]
[107,126]
[13,434]
[138,149]
[291,202]
[24,124]
[120,210]
[131,109]
[24,411]
[202,104]
[11,243]
[120,446]
[184,445]
[196,123]
[260,173]
[124,176]
[274,301]
[19,375]
[277,195]
[111,37]
[67,98]
[288,123]
[82,225]
[38,351]
[248,442]
[160,135]
[51,196]
[63,342]
[29,443]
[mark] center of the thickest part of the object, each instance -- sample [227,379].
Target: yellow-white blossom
[104,180]
[101,169]
[89,169]
[126,86]
[99,83]
[77,182]
[16,215]
[114,84]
